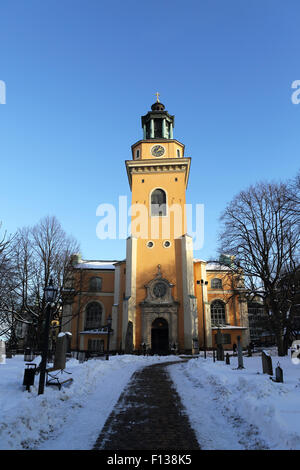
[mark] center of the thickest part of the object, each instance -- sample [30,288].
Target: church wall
[105,299]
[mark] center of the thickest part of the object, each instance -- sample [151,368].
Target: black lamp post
[203,317]
[50,293]
[109,322]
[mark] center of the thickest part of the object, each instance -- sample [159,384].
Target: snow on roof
[217,267]
[85,264]
[229,327]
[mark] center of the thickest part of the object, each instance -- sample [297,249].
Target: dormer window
[137,154]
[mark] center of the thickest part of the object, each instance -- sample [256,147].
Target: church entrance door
[160,336]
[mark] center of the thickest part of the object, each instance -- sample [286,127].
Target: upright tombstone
[60,352]
[129,339]
[227,359]
[220,349]
[2,352]
[279,374]
[81,357]
[266,363]
[240,354]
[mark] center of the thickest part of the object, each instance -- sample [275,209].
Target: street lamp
[109,322]
[50,293]
[203,317]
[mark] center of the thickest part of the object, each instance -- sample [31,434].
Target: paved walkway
[148,416]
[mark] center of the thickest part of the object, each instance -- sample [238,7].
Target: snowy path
[149,416]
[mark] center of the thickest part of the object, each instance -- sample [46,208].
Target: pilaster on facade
[129,304]
[114,334]
[189,300]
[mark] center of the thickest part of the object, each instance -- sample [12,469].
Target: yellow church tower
[159,305]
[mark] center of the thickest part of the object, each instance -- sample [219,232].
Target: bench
[54,379]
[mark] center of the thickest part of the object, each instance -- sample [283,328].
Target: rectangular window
[96,345]
[226,338]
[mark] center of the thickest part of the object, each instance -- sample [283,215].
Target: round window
[150,244]
[167,244]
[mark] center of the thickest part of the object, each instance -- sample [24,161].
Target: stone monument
[240,354]
[2,352]
[129,339]
[266,363]
[220,349]
[60,352]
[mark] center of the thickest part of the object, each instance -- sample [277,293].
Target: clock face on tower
[160,289]
[157,151]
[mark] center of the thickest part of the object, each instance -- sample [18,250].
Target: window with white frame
[93,314]
[217,311]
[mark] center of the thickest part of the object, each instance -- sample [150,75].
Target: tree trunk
[280,344]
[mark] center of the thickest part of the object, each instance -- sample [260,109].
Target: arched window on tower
[217,311]
[95,284]
[93,314]
[158,203]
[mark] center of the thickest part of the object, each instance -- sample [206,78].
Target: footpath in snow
[240,409]
[66,419]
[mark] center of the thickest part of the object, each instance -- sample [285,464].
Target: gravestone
[214,355]
[81,357]
[195,346]
[240,354]
[249,351]
[279,374]
[227,359]
[266,363]
[2,352]
[60,352]
[129,339]
[220,349]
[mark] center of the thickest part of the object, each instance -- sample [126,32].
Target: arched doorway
[160,336]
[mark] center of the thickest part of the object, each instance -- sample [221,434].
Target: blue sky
[79,74]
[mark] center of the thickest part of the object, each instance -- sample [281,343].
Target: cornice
[165,165]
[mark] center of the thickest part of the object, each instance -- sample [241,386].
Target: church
[160,298]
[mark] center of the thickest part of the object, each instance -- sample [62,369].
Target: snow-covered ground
[240,409]
[70,418]
[228,408]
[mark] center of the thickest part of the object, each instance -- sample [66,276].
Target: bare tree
[6,274]
[260,229]
[39,253]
